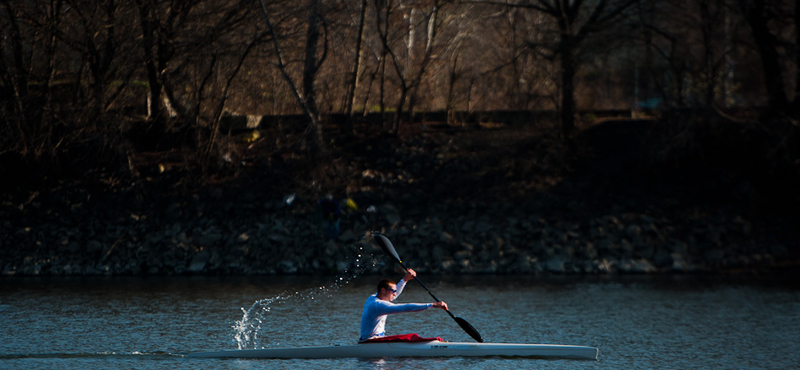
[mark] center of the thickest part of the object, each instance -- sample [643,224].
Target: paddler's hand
[410,275]
[441,305]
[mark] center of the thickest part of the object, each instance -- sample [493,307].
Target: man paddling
[379,305]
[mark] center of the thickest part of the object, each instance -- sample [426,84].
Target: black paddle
[387,247]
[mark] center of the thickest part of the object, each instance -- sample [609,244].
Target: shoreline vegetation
[569,137]
[626,196]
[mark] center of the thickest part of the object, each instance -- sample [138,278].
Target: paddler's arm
[402,283]
[410,274]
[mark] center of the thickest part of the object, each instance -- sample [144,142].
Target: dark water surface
[636,322]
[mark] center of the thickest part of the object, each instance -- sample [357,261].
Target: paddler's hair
[385,283]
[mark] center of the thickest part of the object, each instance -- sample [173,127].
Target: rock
[537,248]
[413,241]
[462,255]
[330,248]
[679,264]
[597,232]
[646,252]
[278,238]
[512,221]
[627,246]
[605,245]
[158,236]
[589,251]
[714,257]
[371,247]
[489,268]
[639,266]
[175,229]
[522,264]
[208,238]
[392,215]
[662,258]
[633,231]
[482,227]
[555,264]
[605,266]
[447,265]
[743,225]
[288,267]
[199,261]
[342,266]
[347,235]
[94,246]
[445,237]
[779,250]
[611,220]
[438,252]
[70,247]
[680,247]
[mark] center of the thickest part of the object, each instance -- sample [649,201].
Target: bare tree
[157,48]
[769,23]
[355,76]
[693,40]
[36,94]
[96,31]
[307,97]
[409,61]
[469,54]
[15,93]
[225,44]
[575,20]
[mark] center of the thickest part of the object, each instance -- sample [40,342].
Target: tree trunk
[18,77]
[350,97]
[398,114]
[451,87]
[53,19]
[766,45]
[154,101]
[567,89]
[307,103]
[314,131]
[382,87]
[796,100]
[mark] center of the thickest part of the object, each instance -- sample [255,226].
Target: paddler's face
[389,294]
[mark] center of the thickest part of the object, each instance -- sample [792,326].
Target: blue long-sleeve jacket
[373,318]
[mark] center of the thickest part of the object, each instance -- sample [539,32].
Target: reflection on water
[684,322]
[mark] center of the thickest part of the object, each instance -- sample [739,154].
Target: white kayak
[414,349]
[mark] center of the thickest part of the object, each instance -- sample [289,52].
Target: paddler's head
[387,290]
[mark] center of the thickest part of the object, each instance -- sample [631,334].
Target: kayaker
[379,305]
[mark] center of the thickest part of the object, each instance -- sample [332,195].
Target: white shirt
[373,318]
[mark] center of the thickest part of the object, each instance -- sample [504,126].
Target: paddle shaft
[426,288]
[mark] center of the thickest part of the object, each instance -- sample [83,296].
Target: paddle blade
[387,246]
[469,329]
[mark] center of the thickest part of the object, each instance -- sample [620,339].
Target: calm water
[637,322]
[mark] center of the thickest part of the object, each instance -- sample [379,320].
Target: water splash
[251,331]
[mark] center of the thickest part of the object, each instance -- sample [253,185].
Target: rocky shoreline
[467,201]
[214,235]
